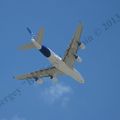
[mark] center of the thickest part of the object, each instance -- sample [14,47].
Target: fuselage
[57,61]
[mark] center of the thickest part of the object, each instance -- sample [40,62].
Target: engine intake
[78,58]
[51,77]
[81,45]
[39,81]
[54,78]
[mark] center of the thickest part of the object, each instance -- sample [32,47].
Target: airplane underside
[61,66]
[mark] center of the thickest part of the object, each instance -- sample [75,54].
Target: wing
[51,71]
[69,57]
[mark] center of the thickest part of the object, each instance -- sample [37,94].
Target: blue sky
[98,98]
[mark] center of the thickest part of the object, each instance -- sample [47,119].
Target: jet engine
[81,45]
[39,81]
[78,58]
[53,78]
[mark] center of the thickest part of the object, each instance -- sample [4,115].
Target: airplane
[60,66]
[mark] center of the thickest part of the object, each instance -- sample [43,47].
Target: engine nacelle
[81,45]
[54,78]
[78,59]
[39,81]
[51,77]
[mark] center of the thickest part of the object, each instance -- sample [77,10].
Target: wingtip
[80,23]
[15,78]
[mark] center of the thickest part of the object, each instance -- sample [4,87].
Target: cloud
[16,117]
[57,93]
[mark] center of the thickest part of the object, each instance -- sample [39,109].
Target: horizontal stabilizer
[39,36]
[26,46]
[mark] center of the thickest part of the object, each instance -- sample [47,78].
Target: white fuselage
[58,62]
[60,65]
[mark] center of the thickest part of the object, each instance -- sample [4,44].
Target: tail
[38,39]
